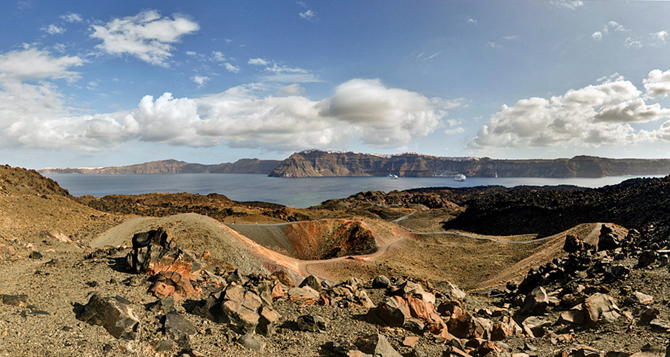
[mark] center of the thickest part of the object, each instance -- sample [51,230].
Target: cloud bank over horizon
[593,116]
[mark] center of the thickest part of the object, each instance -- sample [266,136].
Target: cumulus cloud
[34,64]
[597,36]
[385,116]
[54,29]
[244,116]
[230,68]
[596,115]
[632,43]
[657,84]
[147,36]
[72,17]
[200,80]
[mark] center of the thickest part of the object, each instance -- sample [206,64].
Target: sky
[125,82]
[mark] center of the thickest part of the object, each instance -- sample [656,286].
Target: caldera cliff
[317,163]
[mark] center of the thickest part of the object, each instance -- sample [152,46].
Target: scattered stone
[647,258]
[410,341]
[267,322]
[575,317]
[573,244]
[600,308]
[112,313]
[393,311]
[311,323]
[642,298]
[171,283]
[607,239]
[536,302]
[303,293]
[649,314]
[660,325]
[14,300]
[248,341]
[164,346]
[381,282]
[35,255]
[178,328]
[313,282]
[376,345]
[240,308]
[450,290]
[534,326]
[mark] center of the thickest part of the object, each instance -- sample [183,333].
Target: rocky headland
[406,273]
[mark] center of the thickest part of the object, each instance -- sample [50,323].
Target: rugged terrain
[182,274]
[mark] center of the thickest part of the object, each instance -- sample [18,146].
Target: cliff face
[243,166]
[316,163]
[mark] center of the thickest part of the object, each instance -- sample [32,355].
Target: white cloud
[291,78]
[230,68]
[596,115]
[472,21]
[54,29]
[657,84]
[282,73]
[661,35]
[597,36]
[385,116]
[147,36]
[454,127]
[245,116]
[493,44]
[200,80]
[290,90]
[308,15]
[218,56]
[511,38]
[615,26]
[34,64]
[568,4]
[632,43]
[258,62]
[72,18]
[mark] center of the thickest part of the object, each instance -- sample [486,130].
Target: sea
[292,192]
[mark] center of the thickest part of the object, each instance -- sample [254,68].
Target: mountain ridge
[316,163]
[319,163]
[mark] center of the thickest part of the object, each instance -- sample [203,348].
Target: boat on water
[392,176]
[460,177]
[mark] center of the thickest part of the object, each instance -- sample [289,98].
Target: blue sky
[215,81]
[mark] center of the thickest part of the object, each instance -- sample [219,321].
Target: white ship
[460,177]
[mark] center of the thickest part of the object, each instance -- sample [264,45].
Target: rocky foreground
[155,299]
[602,295]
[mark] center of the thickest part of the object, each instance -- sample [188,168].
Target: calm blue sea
[294,192]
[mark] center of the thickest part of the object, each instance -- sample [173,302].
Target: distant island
[242,166]
[320,163]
